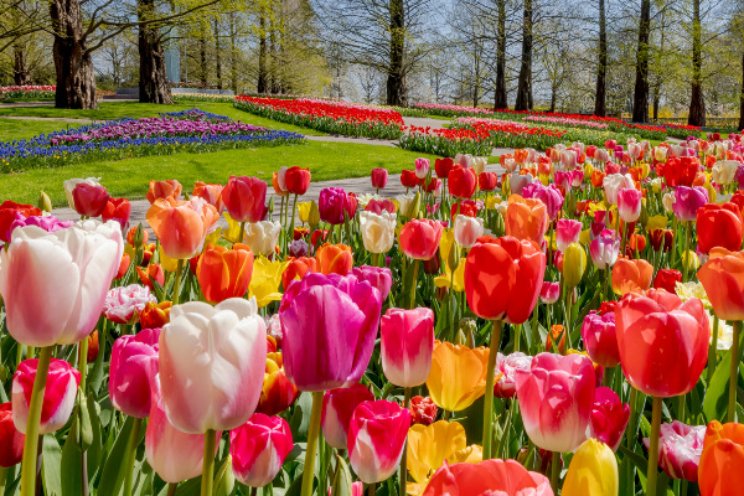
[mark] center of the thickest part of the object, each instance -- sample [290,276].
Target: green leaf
[114,468]
[224,480]
[716,397]
[342,480]
[51,475]
[71,465]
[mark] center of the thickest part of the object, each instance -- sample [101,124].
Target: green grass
[130,178]
[13,129]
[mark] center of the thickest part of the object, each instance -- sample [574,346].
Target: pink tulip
[338,406]
[687,201]
[550,195]
[407,345]
[680,447]
[609,417]
[567,231]
[124,304]
[245,198]
[555,398]
[517,182]
[468,230]
[89,199]
[550,292]
[329,326]
[54,284]
[335,206]
[598,334]
[212,362]
[379,277]
[379,177]
[175,455]
[422,167]
[604,249]
[134,363]
[487,478]
[59,396]
[419,238]
[377,436]
[506,371]
[258,449]
[613,183]
[629,204]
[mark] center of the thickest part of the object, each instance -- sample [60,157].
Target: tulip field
[565,322]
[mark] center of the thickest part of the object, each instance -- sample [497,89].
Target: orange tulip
[720,470]
[212,193]
[151,274]
[181,226]
[297,269]
[224,273]
[170,188]
[631,276]
[722,276]
[334,259]
[597,178]
[526,218]
[155,314]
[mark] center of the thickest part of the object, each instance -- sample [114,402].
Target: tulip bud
[45,203]
[592,472]
[574,265]
[338,407]
[313,217]
[258,449]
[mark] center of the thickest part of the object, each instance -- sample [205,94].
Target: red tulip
[258,449]
[278,392]
[443,166]
[419,238]
[379,177]
[503,278]
[663,342]
[297,180]
[488,181]
[245,198]
[89,199]
[609,417]
[9,211]
[667,279]
[680,171]
[719,225]
[409,179]
[11,440]
[338,406]
[423,410]
[489,477]
[598,334]
[118,209]
[461,182]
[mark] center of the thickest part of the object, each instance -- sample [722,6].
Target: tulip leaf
[112,476]
[342,479]
[71,464]
[224,479]
[51,474]
[716,397]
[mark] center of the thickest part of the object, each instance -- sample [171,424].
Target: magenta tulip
[379,277]
[377,436]
[335,206]
[567,231]
[59,396]
[687,201]
[329,326]
[407,345]
[338,406]
[258,449]
[555,397]
[598,333]
[134,363]
[550,195]
[550,292]
[609,417]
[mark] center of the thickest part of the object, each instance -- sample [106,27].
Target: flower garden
[567,322]
[26,93]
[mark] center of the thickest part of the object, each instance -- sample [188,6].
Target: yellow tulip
[430,445]
[458,375]
[592,472]
[585,237]
[232,233]
[303,211]
[656,222]
[447,247]
[167,263]
[574,265]
[691,259]
[267,276]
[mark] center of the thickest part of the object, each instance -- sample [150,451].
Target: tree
[640,93]
[524,86]
[600,98]
[696,116]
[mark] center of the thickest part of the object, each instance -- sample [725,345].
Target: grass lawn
[13,129]
[130,177]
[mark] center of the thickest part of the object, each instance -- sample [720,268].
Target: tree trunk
[20,69]
[396,81]
[696,117]
[741,96]
[524,87]
[217,54]
[656,100]
[263,79]
[233,55]
[500,101]
[600,99]
[153,80]
[553,97]
[640,94]
[76,81]
[203,78]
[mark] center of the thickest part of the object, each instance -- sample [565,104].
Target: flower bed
[449,110]
[191,130]
[566,121]
[329,117]
[27,93]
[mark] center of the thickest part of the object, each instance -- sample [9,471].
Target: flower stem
[488,398]
[653,450]
[177,282]
[31,445]
[312,443]
[414,280]
[207,481]
[403,476]
[131,454]
[734,372]
[713,351]
[555,470]
[172,487]
[82,364]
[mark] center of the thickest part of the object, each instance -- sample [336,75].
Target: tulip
[409,179]
[430,446]
[11,214]
[503,278]
[54,284]
[118,209]
[377,435]
[458,375]
[724,171]
[461,182]
[380,206]
[722,276]
[507,366]
[379,177]
[454,276]
[335,205]
[262,237]
[89,200]
[297,268]
[62,382]
[609,417]
[155,315]
[297,180]
[211,193]
[631,276]
[422,167]
[719,225]
[550,196]
[598,335]
[604,249]
[407,345]
[555,399]
[661,239]
[687,201]
[526,219]
[264,285]
[613,183]
[443,166]
[419,238]
[329,325]
[278,392]
[211,364]
[658,332]
[11,439]
[550,292]
[134,363]
[497,477]
[719,472]
[338,406]
[629,204]
[173,454]
[258,449]
[181,226]
[123,304]
[592,472]
[224,273]
[423,410]
[378,231]
[334,259]
[680,447]
[380,278]
[567,231]
[574,265]
[169,188]
[279,181]
[468,230]
[245,198]
[667,279]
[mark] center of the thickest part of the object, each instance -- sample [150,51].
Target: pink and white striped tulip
[338,407]
[567,231]
[629,204]
[258,449]
[680,448]
[407,344]
[468,230]
[212,362]
[377,436]
[59,396]
[134,363]
[555,397]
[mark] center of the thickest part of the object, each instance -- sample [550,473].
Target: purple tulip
[550,195]
[334,205]
[687,201]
